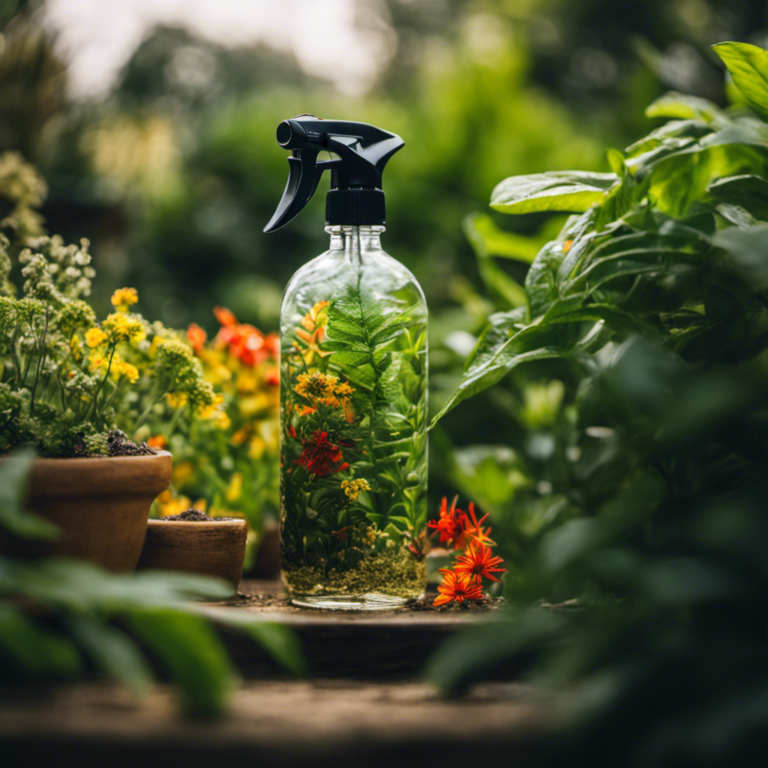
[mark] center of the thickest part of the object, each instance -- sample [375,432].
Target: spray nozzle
[361,150]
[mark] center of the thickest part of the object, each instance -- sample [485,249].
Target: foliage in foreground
[635,480]
[63,619]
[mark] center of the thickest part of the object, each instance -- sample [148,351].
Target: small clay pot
[211,548]
[100,504]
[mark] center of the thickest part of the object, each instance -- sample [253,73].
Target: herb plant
[67,380]
[635,479]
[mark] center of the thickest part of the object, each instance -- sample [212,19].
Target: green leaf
[14,470]
[188,648]
[574,191]
[77,585]
[748,247]
[277,640]
[489,365]
[487,239]
[748,66]
[113,652]
[683,107]
[39,651]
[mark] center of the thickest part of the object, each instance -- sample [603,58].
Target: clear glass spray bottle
[353,330]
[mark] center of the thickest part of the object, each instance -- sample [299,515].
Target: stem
[114,392]
[41,355]
[174,422]
[15,357]
[152,404]
[94,402]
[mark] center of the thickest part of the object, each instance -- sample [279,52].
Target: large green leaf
[190,651]
[748,66]
[488,239]
[574,191]
[77,585]
[682,106]
[278,641]
[494,357]
[40,651]
[14,470]
[113,652]
[748,248]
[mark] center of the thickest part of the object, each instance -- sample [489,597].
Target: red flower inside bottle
[320,456]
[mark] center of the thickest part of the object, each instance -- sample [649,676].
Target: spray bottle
[353,327]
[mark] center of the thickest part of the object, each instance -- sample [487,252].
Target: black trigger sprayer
[356,196]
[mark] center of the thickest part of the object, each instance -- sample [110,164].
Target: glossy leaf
[682,106]
[574,191]
[748,66]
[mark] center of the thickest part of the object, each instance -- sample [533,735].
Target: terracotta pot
[215,548]
[100,504]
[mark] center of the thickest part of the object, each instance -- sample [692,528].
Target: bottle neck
[353,240]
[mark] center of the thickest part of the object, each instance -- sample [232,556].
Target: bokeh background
[153,122]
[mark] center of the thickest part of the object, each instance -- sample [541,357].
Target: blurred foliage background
[174,170]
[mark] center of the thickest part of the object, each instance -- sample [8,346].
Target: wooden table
[363,705]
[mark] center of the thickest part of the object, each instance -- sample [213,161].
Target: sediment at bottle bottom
[378,582]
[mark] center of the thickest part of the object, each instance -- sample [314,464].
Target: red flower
[458,587]
[473,528]
[320,456]
[291,430]
[196,336]
[478,561]
[450,524]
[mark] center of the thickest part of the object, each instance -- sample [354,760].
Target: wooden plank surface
[276,723]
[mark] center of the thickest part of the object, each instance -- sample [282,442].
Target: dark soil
[120,445]
[195,516]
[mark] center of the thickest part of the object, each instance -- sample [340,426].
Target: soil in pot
[193,542]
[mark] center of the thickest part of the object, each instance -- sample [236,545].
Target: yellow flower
[176,399]
[315,386]
[121,368]
[343,390]
[209,411]
[256,448]
[353,488]
[168,505]
[122,298]
[97,362]
[123,328]
[182,472]
[235,489]
[95,337]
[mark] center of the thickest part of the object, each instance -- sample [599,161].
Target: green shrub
[635,477]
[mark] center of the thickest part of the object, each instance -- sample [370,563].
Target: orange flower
[196,335]
[478,561]
[225,317]
[157,441]
[473,528]
[312,332]
[450,524]
[458,587]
